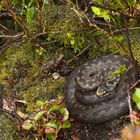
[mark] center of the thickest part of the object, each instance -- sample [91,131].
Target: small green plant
[121,70]
[136,97]
[45,119]
[135,117]
[40,51]
[29,12]
[101,13]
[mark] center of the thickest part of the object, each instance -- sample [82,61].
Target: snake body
[94,94]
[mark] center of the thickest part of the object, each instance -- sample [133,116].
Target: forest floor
[44,88]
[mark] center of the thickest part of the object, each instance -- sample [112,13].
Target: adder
[95,94]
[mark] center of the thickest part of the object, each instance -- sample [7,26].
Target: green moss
[7,128]
[44,90]
[20,65]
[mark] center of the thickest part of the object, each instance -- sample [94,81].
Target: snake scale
[94,94]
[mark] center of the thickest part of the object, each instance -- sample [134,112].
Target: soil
[82,131]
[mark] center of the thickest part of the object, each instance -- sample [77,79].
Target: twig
[129,46]
[5,28]
[14,16]
[6,45]
[12,113]
[12,36]
[123,47]
[61,32]
[76,56]
[129,104]
[134,85]
[83,29]
[97,22]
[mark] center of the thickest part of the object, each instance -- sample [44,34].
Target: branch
[61,32]
[12,36]
[129,45]
[6,45]
[5,28]
[129,104]
[12,113]
[76,56]
[104,23]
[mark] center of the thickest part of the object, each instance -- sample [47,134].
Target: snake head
[108,85]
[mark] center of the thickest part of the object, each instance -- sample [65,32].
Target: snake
[97,91]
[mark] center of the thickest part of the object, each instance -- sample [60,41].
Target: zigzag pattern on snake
[93,94]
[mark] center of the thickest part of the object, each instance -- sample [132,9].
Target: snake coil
[94,94]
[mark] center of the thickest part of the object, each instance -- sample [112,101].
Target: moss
[44,90]
[19,65]
[7,128]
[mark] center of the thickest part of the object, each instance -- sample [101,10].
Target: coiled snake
[94,94]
